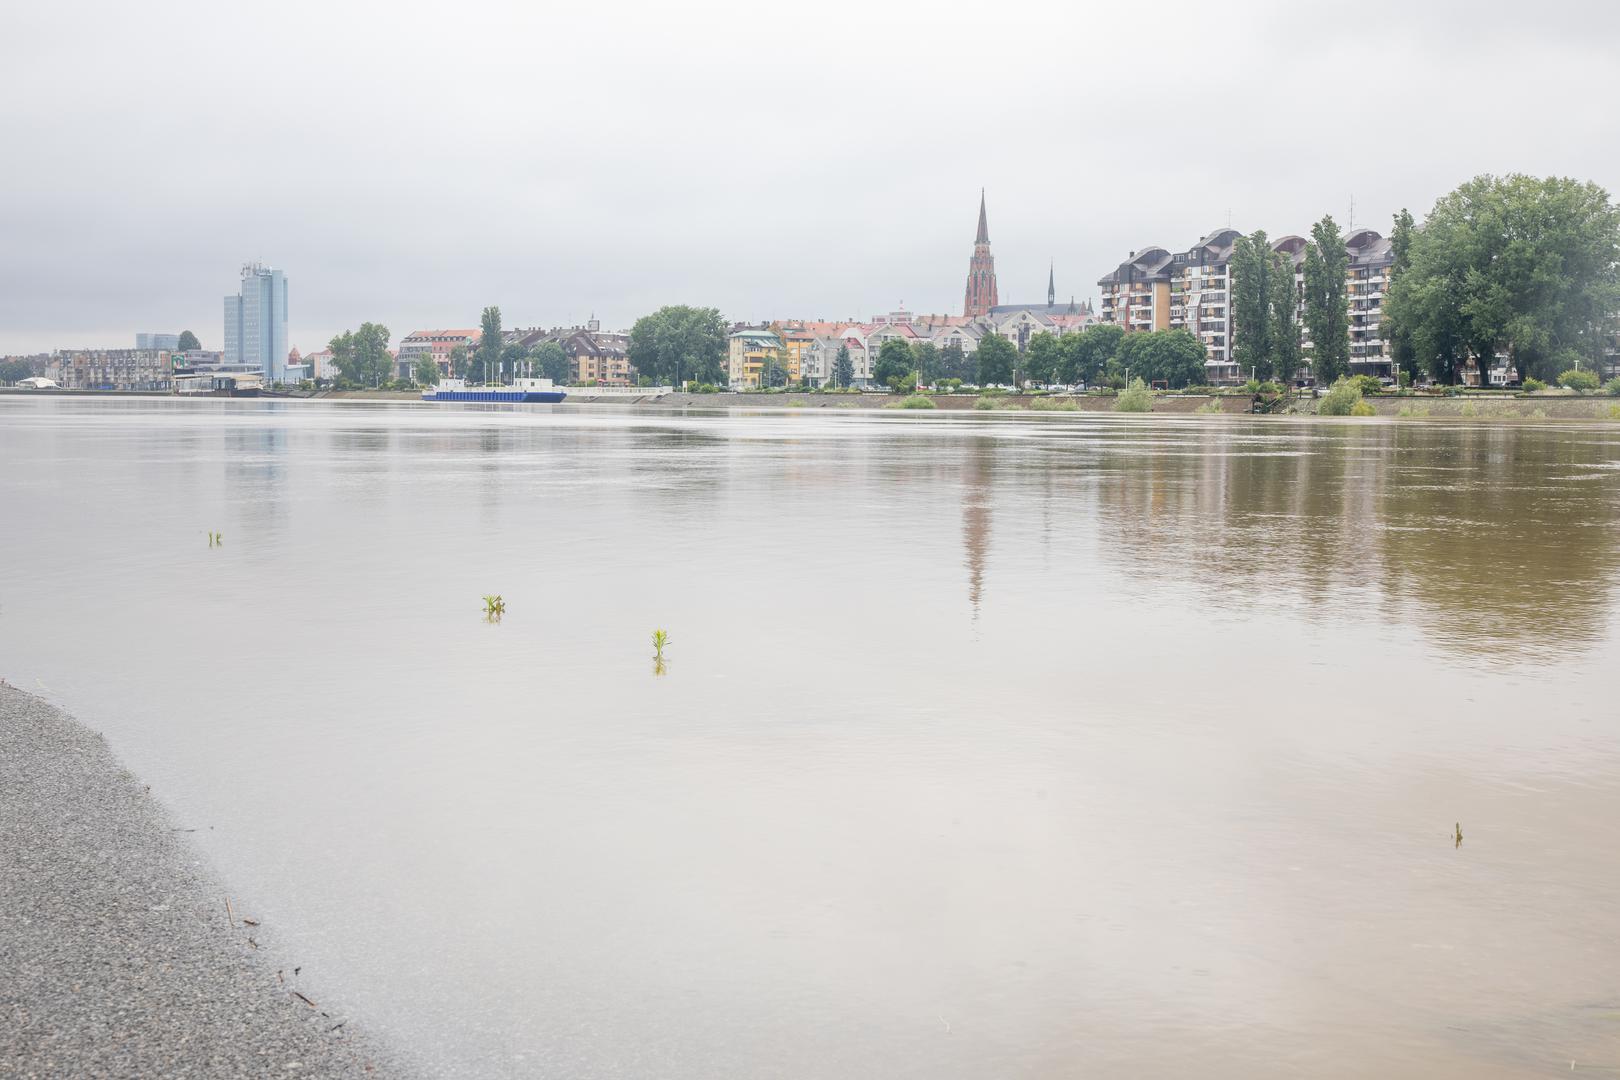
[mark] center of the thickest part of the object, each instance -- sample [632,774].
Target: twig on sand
[230,916]
[304,999]
[249,922]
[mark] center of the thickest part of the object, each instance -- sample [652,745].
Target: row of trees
[1516,264]
[361,357]
[1264,306]
[1512,265]
[1099,354]
[679,343]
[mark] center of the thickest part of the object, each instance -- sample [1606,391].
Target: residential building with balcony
[438,344]
[148,370]
[747,351]
[1371,258]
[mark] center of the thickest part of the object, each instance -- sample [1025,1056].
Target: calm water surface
[989,746]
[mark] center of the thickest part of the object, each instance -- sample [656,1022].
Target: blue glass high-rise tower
[256,322]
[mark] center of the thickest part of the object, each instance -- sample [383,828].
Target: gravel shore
[116,955]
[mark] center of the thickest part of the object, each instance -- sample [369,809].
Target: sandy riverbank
[118,955]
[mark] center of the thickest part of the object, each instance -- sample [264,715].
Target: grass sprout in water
[494,608]
[660,639]
[216,539]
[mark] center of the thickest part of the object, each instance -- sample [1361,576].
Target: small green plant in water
[1457,836]
[494,608]
[1614,412]
[660,639]
[216,539]
[1048,404]
[1340,400]
[1134,398]
[1210,408]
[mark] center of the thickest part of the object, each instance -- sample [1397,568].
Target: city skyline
[417,204]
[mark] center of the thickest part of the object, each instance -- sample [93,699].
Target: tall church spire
[980,295]
[1051,283]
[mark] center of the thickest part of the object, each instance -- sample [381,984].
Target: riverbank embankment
[120,956]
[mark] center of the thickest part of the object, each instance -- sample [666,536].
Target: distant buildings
[438,344]
[157,341]
[256,322]
[112,369]
[1156,289]
[595,356]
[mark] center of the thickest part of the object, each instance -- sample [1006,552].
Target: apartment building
[438,344]
[746,353]
[1191,290]
[1371,257]
[113,369]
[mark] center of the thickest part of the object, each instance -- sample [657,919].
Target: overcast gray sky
[411,162]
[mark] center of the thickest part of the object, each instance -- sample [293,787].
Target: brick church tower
[981,282]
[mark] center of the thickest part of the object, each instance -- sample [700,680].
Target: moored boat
[520,391]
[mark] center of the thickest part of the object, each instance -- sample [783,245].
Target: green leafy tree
[1041,358]
[1578,379]
[14,371]
[893,363]
[513,358]
[1251,270]
[996,357]
[1284,335]
[427,370]
[954,363]
[550,361]
[1178,358]
[361,356]
[925,360]
[486,358]
[774,371]
[843,368]
[1517,264]
[1327,301]
[188,341]
[679,343]
[1401,350]
[1095,349]
[460,361]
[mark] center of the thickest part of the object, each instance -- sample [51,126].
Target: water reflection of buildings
[1497,542]
[976,495]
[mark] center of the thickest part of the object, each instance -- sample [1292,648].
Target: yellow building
[746,354]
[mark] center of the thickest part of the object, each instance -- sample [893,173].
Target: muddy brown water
[987,745]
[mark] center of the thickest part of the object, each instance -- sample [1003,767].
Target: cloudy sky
[409,163]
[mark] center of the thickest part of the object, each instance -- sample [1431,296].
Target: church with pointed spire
[982,300]
[981,283]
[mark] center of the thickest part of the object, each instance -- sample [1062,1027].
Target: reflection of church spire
[1051,284]
[976,517]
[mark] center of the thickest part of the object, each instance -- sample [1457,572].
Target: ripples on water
[989,746]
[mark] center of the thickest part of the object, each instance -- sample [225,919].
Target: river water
[986,746]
